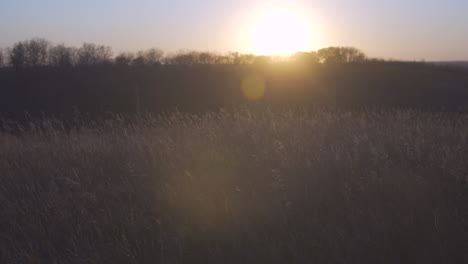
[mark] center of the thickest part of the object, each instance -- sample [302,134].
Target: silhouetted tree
[95,90]
[353,55]
[17,55]
[206,58]
[305,58]
[139,60]
[241,59]
[62,56]
[220,59]
[234,57]
[31,53]
[2,60]
[124,59]
[149,57]
[37,52]
[91,54]
[197,58]
[180,58]
[153,56]
[340,55]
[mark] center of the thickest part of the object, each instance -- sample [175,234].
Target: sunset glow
[281,32]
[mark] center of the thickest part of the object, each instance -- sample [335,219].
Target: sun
[281,32]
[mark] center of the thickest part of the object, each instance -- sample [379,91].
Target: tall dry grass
[238,187]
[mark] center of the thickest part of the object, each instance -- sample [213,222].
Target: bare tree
[2,61]
[340,55]
[222,59]
[139,59]
[31,53]
[195,57]
[353,55]
[206,58]
[154,56]
[241,59]
[124,59]
[37,52]
[91,54]
[62,56]
[17,55]
[180,58]
[149,57]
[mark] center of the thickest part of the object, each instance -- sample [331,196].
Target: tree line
[38,52]
[41,79]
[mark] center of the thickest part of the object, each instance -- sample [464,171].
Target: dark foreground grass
[241,187]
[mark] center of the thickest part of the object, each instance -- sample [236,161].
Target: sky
[391,29]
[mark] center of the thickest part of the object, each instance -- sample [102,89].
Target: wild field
[321,186]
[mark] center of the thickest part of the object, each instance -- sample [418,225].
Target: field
[244,186]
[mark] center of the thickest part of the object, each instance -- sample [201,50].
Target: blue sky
[399,29]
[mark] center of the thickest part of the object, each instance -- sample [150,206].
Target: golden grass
[237,187]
